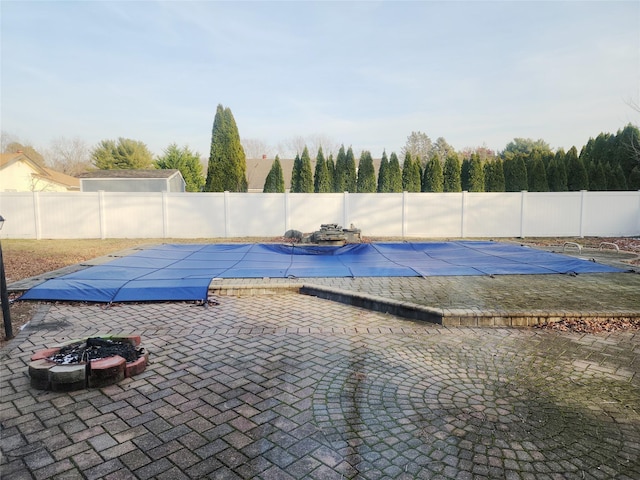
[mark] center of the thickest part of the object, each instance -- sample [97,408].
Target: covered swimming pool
[175,272]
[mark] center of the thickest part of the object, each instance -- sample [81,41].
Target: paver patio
[292,386]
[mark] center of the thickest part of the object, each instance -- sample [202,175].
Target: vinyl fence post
[227,220]
[165,215]
[36,215]
[583,211]
[345,209]
[463,212]
[287,218]
[523,197]
[405,213]
[102,215]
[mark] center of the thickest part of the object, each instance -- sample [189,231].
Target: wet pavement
[287,386]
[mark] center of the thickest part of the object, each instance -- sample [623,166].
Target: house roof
[122,173]
[7,158]
[41,171]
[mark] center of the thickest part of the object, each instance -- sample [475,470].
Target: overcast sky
[364,74]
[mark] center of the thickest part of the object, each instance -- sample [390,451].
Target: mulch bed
[591,326]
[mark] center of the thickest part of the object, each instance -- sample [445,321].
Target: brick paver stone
[292,386]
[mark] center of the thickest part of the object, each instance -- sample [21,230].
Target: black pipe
[4,298]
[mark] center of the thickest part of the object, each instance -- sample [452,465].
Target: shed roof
[127,173]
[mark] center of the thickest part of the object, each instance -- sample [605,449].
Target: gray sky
[364,74]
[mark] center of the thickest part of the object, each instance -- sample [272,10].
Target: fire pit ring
[88,362]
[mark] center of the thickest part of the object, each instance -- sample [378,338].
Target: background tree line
[606,162]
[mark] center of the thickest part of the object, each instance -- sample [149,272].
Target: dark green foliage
[306,173]
[520,158]
[366,182]
[411,181]
[331,173]
[557,173]
[493,176]
[619,181]
[350,174]
[274,182]
[321,179]
[395,174]
[537,175]
[383,174]
[451,173]
[295,174]
[227,163]
[339,182]
[627,149]
[124,153]
[187,162]
[515,173]
[577,177]
[301,175]
[621,149]
[476,174]
[465,172]
[634,179]
[433,179]
[597,176]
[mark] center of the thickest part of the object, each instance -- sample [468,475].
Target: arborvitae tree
[577,177]
[476,174]
[557,173]
[597,177]
[187,162]
[465,172]
[410,174]
[306,174]
[331,173]
[586,153]
[433,178]
[366,182]
[321,180]
[395,174]
[627,149]
[538,177]
[552,174]
[493,176]
[274,182]
[383,174]
[296,174]
[602,150]
[451,173]
[339,179]
[227,163]
[634,179]
[620,180]
[515,173]
[350,172]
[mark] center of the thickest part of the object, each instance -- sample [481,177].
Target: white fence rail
[213,215]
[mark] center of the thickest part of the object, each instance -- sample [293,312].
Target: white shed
[160,180]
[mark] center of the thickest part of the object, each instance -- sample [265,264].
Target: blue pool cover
[184,272]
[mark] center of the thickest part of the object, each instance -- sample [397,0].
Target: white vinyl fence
[214,215]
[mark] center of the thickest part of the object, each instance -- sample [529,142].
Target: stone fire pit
[88,362]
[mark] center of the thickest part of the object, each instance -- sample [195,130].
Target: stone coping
[442,316]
